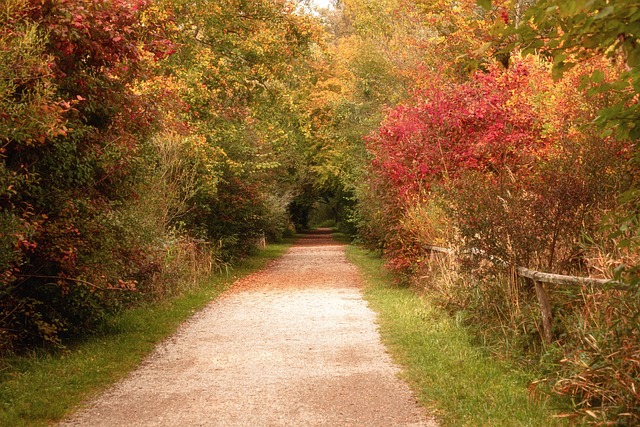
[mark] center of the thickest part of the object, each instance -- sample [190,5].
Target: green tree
[242,68]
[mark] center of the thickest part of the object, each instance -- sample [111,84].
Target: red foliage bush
[513,163]
[69,160]
[504,156]
[485,124]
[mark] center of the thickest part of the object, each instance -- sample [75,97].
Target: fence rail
[561,279]
[539,278]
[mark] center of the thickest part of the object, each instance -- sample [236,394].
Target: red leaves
[483,124]
[93,34]
[505,16]
[506,155]
[486,125]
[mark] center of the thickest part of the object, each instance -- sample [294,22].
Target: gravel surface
[292,345]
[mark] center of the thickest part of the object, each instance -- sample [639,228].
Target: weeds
[594,361]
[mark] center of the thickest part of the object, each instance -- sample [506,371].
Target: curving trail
[292,345]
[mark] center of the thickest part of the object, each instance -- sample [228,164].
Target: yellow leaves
[156,11]
[328,91]
[459,33]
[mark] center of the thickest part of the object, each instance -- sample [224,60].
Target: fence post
[545,309]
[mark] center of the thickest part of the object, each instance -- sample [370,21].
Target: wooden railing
[539,279]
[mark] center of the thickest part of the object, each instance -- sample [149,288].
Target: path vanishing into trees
[294,344]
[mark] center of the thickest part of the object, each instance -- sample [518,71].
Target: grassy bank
[454,379]
[44,387]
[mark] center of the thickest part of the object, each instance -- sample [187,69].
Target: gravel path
[292,345]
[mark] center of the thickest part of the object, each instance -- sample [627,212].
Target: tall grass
[44,387]
[594,360]
[454,378]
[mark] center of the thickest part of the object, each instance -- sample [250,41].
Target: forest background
[147,143]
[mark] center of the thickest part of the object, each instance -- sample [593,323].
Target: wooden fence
[539,279]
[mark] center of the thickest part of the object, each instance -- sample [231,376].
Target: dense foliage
[503,154]
[142,142]
[521,162]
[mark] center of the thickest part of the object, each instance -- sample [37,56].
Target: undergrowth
[594,359]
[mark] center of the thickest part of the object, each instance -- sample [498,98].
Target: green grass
[44,387]
[456,380]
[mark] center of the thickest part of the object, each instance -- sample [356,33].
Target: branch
[84,282]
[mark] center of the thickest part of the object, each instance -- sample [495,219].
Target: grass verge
[452,378]
[44,387]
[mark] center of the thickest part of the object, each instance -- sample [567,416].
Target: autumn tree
[360,69]
[130,129]
[71,124]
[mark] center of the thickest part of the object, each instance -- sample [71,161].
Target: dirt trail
[292,345]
